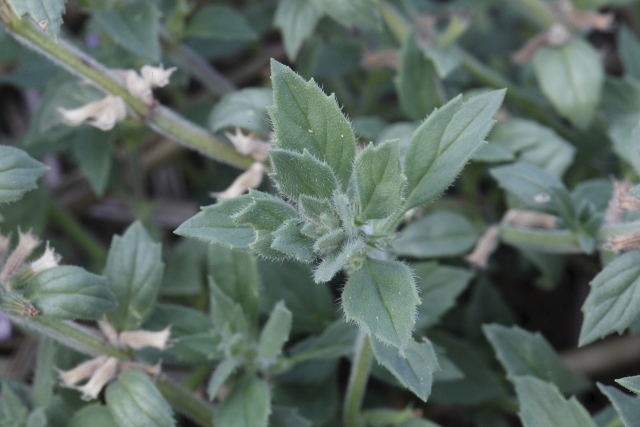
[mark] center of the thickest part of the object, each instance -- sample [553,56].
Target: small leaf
[416,81]
[525,353]
[414,370]
[444,143]
[92,150]
[626,405]
[302,174]
[134,273]
[69,292]
[248,405]
[334,342]
[46,13]
[571,76]
[304,118]
[18,173]
[95,415]
[214,224]
[630,383]
[614,300]
[440,234]
[352,13]
[134,401]
[220,375]
[220,23]
[275,333]
[296,19]
[379,180]
[289,239]
[226,313]
[542,405]
[629,51]
[246,109]
[382,297]
[334,262]
[134,27]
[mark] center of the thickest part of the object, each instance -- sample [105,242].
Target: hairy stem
[358,379]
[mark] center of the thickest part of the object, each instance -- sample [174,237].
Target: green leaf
[414,370]
[236,274]
[289,239]
[379,180]
[220,23]
[214,224]
[13,411]
[416,81]
[274,333]
[283,416]
[37,418]
[183,273]
[296,20]
[134,27]
[92,151]
[525,353]
[334,262]
[226,313]
[571,76]
[43,378]
[246,109]
[444,143]
[18,173]
[304,118]
[381,297]
[542,405]
[302,174]
[538,239]
[46,13]
[386,417]
[629,51]
[537,189]
[248,405]
[626,405]
[134,401]
[631,383]
[440,234]
[614,300]
[439,286]
[95,415]
[352,13]
[621,103]
[134,273]
[70,292]
[220,375]
[334,342]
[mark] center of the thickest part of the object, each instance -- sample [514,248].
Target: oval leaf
[18,173]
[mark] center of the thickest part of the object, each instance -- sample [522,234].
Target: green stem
[535,10]
[159,118]
[77,232]
[184,402]
[358,378]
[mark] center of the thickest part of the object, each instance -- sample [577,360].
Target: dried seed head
[485,247]
[84,370]
[140,339]
[99,379]
[27,243]
[530,219]
[249,145]
[157,76]
[624,242]
[103,114]
[249,179]
[48,260]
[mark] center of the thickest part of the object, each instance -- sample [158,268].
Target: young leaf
[571,76]
[134,273]
[225,312]
[70,292]
[416,81]
[614,300]
[302,174]
[379,180]
[304,118]
[95,415]
[18,173]
[92,150]
[629,51]
[440,234]
[43,378]
[525,353]
[214,224]
[626,405]
[289,239]
[246,109]
[630,383]
[220,23]
[46,13]
[296,19]
[382,297]
[134,27]
[542,405]
[248,405]
[134,401]
[444,143]
[414,370]
[352,13]
[275,333]
[334,262]
[220,375]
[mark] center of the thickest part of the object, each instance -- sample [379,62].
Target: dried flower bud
[48,260]
[140,339]
[109,331]
[99,379]
[27,243]
[249,145]
[84,370]
[613,214]
[530,219]
[157,76]
[138,86]
[103,114]
[624,242]
[249,179]
[556,35]
[485,247]
[625,200]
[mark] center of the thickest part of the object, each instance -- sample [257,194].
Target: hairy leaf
[220,375]
[18,173]
[275,333]
[248,405]
[627,406]
[289,239]
[302,174]
[631,383]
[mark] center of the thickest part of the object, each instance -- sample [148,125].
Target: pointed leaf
[290,240]
[382,298]
[134,273]
[220,375]
[631,383]
[302,174]
[379,180]
[248,405]
[296,19]
[444,143]
[18,173]
[334,342]
[334,262]
[275,333]
[46,13]
[626,405]
[245,108]
[304,118]
[92,150]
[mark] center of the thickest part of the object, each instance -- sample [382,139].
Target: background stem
[358,379]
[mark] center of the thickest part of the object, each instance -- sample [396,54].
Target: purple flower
[92,40]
